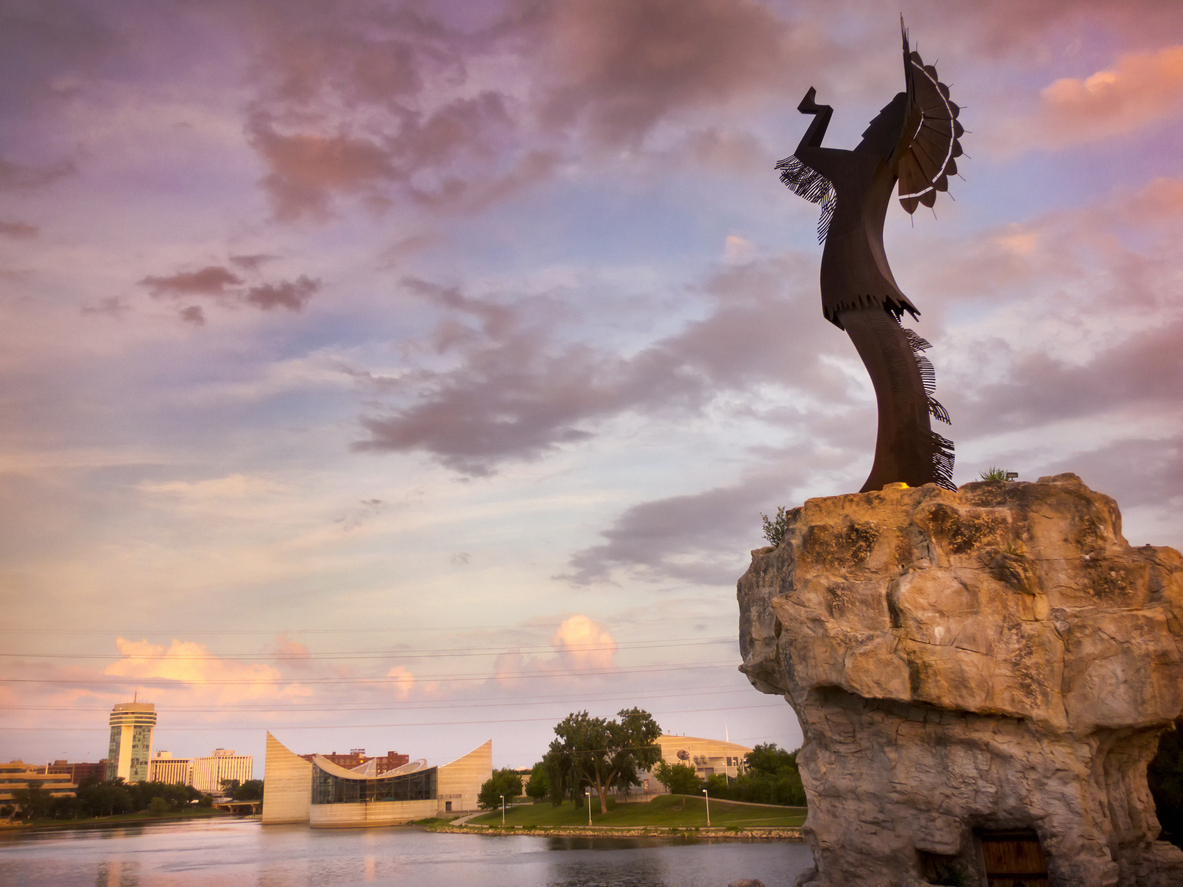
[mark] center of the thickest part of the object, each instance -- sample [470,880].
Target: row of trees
[107,798]
[770,776]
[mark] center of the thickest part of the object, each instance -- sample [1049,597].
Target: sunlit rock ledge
[988,665]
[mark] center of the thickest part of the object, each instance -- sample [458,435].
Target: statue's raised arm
[912,141]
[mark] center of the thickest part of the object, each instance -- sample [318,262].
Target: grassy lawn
[666,811]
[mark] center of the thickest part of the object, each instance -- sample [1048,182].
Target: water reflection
[237,852]
[118,873]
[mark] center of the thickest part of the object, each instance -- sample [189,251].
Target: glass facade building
[329,788]
[130,749]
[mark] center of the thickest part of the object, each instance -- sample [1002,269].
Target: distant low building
[707,756]
[357,758]
[327,795]
[17,775]
[223,765]
[174,771]
[78,771]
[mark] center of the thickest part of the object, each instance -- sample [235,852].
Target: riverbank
[726,833]
[667,816]
[115,821]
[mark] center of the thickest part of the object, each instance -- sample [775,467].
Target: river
[242,852]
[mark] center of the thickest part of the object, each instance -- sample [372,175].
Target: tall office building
[166,768]
[130,751]
[223,764]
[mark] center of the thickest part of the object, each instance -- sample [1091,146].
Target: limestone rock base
[964,663]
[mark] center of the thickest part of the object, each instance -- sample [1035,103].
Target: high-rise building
[166,768]
[223,765]
[130,751]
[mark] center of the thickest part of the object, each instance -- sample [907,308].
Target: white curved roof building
[327,795]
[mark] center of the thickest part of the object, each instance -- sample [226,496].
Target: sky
[403,375]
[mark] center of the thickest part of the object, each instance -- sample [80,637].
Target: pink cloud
[306,169]
[252,262]
[580,645]
[193,666]
[1139,90]
[18,230]
[209,281]
[193,314]
[24,177]
[624,65]
[112,306]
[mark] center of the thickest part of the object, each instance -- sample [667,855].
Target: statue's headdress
[928,148]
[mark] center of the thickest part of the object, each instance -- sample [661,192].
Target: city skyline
[406,375]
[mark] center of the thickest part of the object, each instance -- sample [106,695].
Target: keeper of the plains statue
[914,141]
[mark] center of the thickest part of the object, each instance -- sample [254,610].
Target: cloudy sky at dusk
[400,375]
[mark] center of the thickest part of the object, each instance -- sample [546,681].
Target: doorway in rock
[1012,858]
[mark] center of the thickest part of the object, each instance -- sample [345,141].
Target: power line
[386,706]
[380,654]
[172,682]
[515,720]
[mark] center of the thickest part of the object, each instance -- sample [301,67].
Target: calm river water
[242,852]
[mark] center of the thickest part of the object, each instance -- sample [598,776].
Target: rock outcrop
[970,667]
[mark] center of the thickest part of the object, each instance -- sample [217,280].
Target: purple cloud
[18,230]
[209,281]
[290,294]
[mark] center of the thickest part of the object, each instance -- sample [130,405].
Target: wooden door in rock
[1013,859]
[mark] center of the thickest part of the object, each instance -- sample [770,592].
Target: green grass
[665,811]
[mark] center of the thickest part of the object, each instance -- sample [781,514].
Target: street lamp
[503,812]
[708,797]
[588,793]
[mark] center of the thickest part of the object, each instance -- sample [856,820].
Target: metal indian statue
[913,141]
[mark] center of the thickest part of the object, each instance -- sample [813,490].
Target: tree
[539,785]
[34,801]
[502,782]
[251,790]
[678,779]
[600,753]
[771,777]
[105,798]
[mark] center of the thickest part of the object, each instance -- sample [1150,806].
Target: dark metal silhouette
[913,140]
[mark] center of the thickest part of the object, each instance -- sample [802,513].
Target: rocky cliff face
[966,664]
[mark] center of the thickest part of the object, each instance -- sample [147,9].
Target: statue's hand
[809,105]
